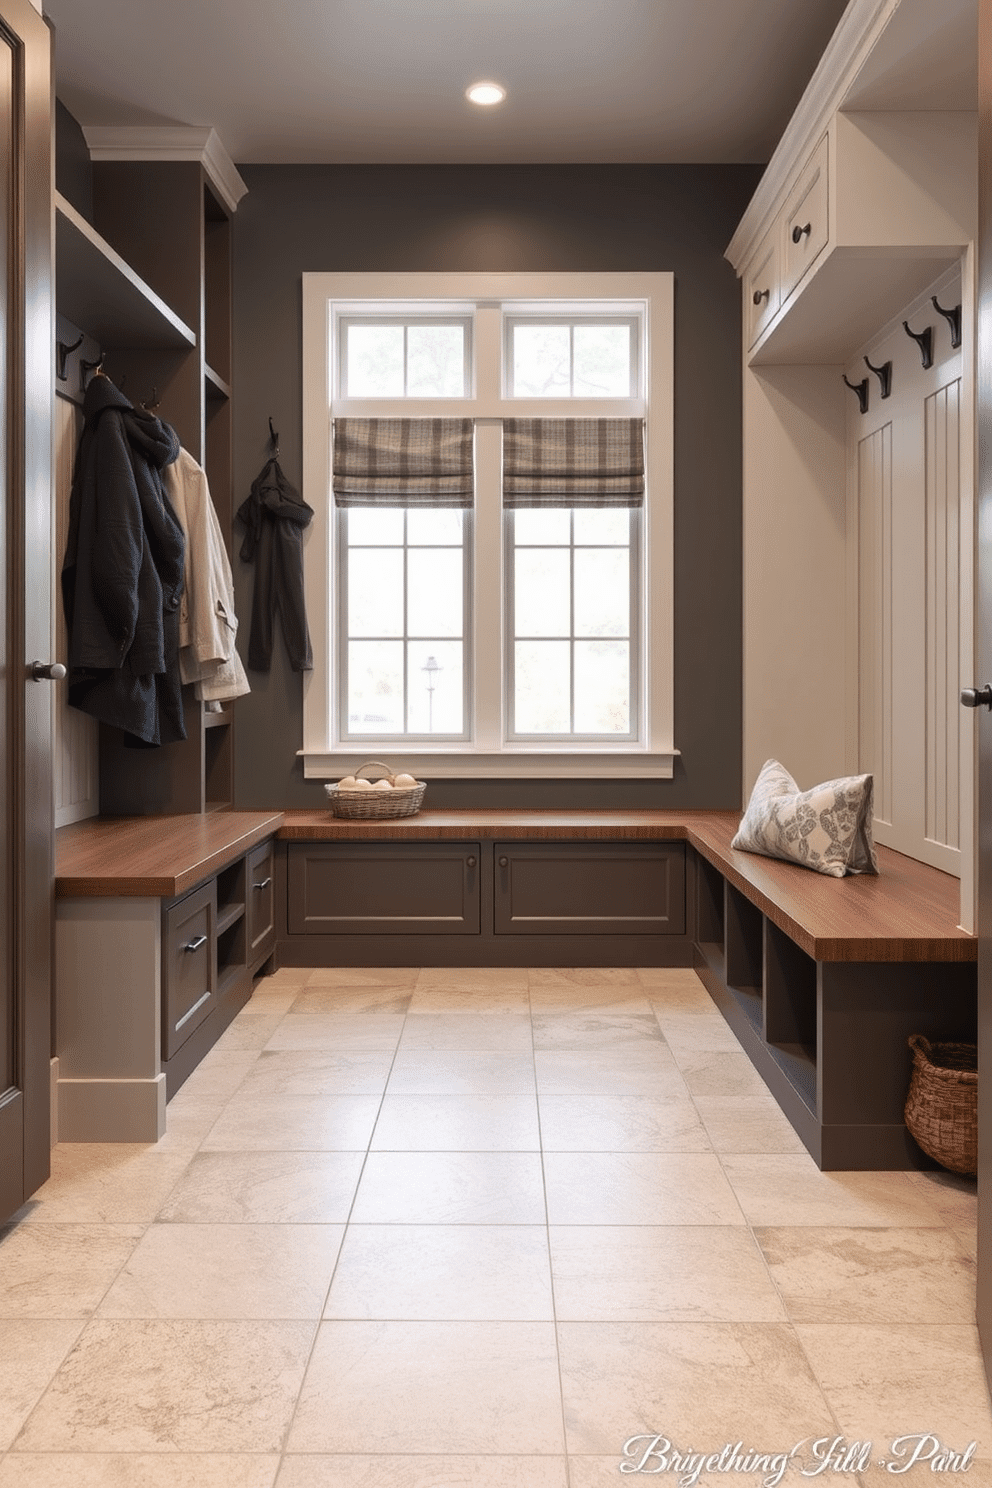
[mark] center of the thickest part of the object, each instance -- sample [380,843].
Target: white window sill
[508,764]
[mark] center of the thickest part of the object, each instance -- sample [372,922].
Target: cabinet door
[806,221]
[189,965]
[761,285]
[590,888]
[261,907]
[384,888]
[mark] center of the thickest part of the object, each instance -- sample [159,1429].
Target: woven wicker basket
[404,800]
[942,1104]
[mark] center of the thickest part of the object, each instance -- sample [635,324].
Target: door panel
[983,629]
[25,575]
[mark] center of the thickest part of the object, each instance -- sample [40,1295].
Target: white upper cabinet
[863,203]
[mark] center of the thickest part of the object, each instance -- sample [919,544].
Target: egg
[382,785]
[403,781]
[362,785]
[348,783]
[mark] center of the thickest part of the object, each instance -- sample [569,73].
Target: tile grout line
[291,1419]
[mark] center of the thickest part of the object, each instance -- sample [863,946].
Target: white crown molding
[847,51]
[169,142]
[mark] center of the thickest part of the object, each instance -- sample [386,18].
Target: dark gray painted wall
[537,218]
[73,169]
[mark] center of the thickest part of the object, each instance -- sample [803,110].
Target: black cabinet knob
[504,862]
[759,295]
[470,862]
[798,233]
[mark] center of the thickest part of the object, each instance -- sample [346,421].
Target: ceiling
[383,81]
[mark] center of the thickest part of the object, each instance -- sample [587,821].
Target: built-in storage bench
[823,980]
[484,888]
[161,925]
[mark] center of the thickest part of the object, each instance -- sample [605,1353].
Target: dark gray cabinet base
[483,903]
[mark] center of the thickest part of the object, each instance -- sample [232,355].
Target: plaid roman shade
[403,462]
[573,462]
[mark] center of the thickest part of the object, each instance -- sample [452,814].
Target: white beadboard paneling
[75,762]
[875,615]
[942,436]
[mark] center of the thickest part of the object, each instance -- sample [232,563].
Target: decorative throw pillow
[827,828]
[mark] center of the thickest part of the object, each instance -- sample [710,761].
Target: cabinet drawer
[189,969]
[586,888]
[806,221]
[385,888]
[761,285]
[261,905]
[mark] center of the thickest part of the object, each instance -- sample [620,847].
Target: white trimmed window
[506,615]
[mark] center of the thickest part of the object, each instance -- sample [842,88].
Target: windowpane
[434,592]
[434,528]
[375,592]
[434,687]
[602,525]
[375,687]
[435,361]
[541,592]
[602,592]
[369,526]
[540,525]
[542,361]
[602,361]
[541,693]
[375,361]
[602,687]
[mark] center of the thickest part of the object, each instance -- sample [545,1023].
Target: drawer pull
[759,295]
[470,862]
[264,883]
[504,862]
[195,943]
[798,233]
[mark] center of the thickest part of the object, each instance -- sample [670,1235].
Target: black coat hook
[953,318]
[273,439]
[95,367]
[63,352]
[884,375]
[861,388]
[924,340]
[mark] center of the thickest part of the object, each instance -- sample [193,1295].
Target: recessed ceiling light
[485,93]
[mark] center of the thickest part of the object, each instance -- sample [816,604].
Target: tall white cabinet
[859,508]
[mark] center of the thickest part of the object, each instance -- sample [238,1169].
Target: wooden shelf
[215,386]
[100,293]
[218,720]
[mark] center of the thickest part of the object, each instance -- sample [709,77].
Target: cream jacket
[208,626]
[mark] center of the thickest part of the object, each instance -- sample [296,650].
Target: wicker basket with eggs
[383,799]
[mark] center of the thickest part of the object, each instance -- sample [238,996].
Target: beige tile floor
[425,1228]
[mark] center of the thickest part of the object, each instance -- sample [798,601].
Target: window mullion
[488,568]
[571,620]
[406,622]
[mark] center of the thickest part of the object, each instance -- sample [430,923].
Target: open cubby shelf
[154,262]
[828,1037]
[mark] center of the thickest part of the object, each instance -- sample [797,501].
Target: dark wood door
[25,577]
[984,658]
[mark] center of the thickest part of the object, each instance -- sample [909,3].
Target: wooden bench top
[153,856]
[908,913]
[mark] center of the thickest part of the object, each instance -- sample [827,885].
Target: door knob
[48,671]
[980,697]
